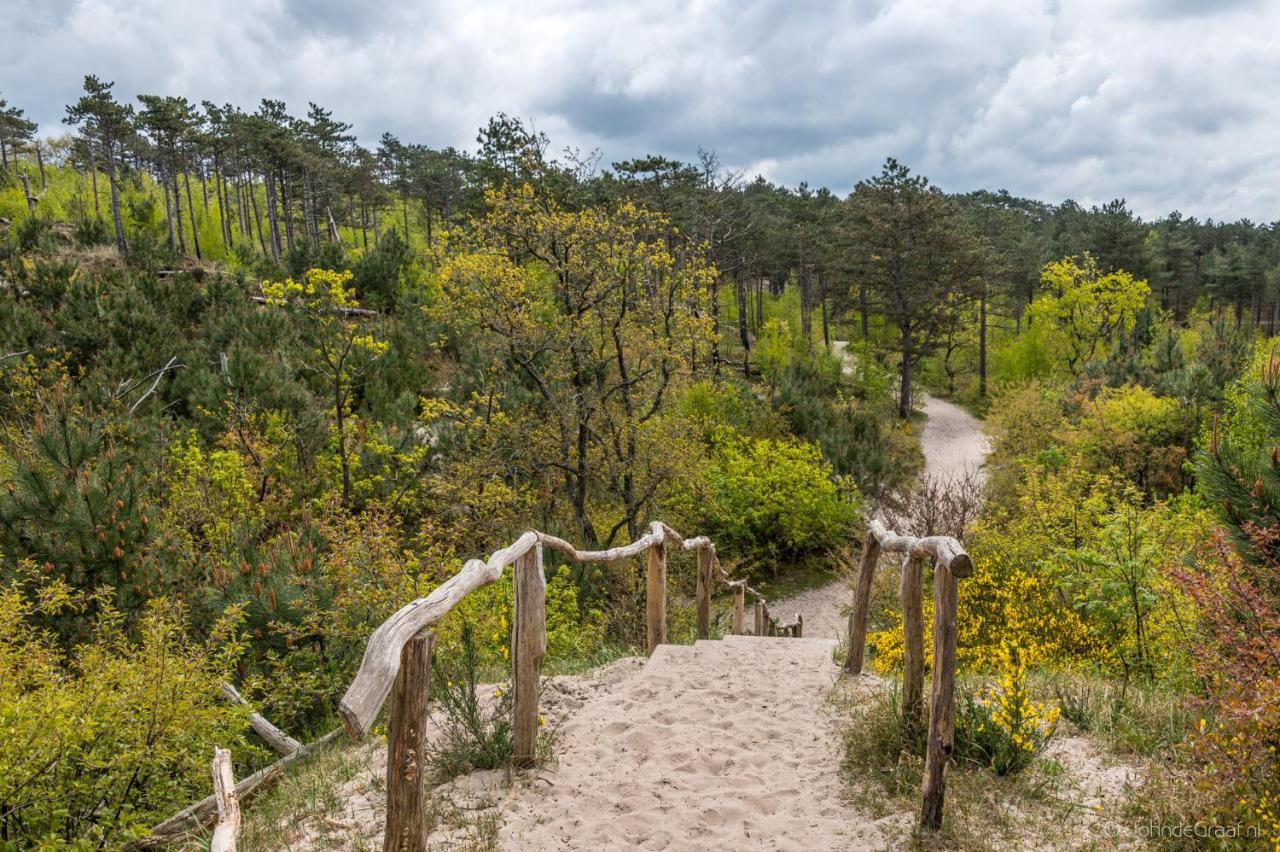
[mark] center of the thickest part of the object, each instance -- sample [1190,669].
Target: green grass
[1038,807]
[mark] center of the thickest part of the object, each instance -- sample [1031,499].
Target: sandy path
[953,443]
[722,745]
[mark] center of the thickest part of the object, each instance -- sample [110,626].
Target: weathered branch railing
[397,663]
[950,563]
[397,660]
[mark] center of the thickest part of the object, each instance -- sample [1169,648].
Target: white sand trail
[722,745]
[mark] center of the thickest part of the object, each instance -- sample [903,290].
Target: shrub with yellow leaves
[1001,726]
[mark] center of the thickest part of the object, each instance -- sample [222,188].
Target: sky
[1170,104]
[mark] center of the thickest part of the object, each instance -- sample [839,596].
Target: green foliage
[475,732]
[1002,726]
[1142,436]
[104,741]
[771,502]
[1086,308]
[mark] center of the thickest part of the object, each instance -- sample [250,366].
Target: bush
[1141,435]
[770,502]
[1001,727]
[105,740]
[475,733]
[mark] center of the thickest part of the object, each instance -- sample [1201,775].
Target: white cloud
[1170,103]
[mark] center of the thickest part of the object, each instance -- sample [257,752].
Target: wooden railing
[397,660]
[950,563]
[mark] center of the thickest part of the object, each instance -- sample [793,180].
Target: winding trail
[726,744]
[953,444]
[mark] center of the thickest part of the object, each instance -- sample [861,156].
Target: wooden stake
[861,600]
[911,590]
[762,619]
[656,596]
[406,829]
[739,607]
[941,726]
[528,647]
[704,592]
[227,830]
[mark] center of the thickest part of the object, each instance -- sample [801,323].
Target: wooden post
[910,590]
[406,829]
[227,830]
[656,596]
[704,592]
[761,619]
[739,607]
[861,600]
[799,632]
[528,647]
[941,727]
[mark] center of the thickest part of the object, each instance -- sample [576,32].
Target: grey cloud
[1170,103]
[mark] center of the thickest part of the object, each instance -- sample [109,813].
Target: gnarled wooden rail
[950,563]
[402,643]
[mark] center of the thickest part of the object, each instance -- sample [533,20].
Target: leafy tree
[1087,308]
[592,312]
[343,349]
[919,258]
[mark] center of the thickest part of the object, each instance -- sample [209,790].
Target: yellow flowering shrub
[1002,727]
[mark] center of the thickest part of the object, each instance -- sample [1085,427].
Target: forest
[263,385]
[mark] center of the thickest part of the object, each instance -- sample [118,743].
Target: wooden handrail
[950,563]
[368,691]
[382,666]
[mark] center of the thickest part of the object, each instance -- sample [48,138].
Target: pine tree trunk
[904,392]
[272,216]
[191,209]
[93,170]
[286,210]
[177,207]
[116,219]
[168,206]
[982,343]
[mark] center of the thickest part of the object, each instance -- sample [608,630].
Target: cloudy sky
[1172,104]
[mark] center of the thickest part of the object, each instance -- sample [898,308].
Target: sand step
[720,744]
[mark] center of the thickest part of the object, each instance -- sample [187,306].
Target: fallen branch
[202,811]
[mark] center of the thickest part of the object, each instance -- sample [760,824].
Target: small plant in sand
[475,727]
[1002,727]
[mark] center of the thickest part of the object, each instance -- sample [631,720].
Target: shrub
[475,733]
[1141,435]
[770,501]
[1002,727]
[102,741]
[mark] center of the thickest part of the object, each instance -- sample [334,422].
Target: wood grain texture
[911,590]
[279,741]
[406,829]
[655,597]
[739,607]
[528,647]
[703,593]
[372,683]
[944,549]
[227,830]
[861,601]
[941,721]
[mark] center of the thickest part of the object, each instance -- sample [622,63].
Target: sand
[953,444]
[726,744]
